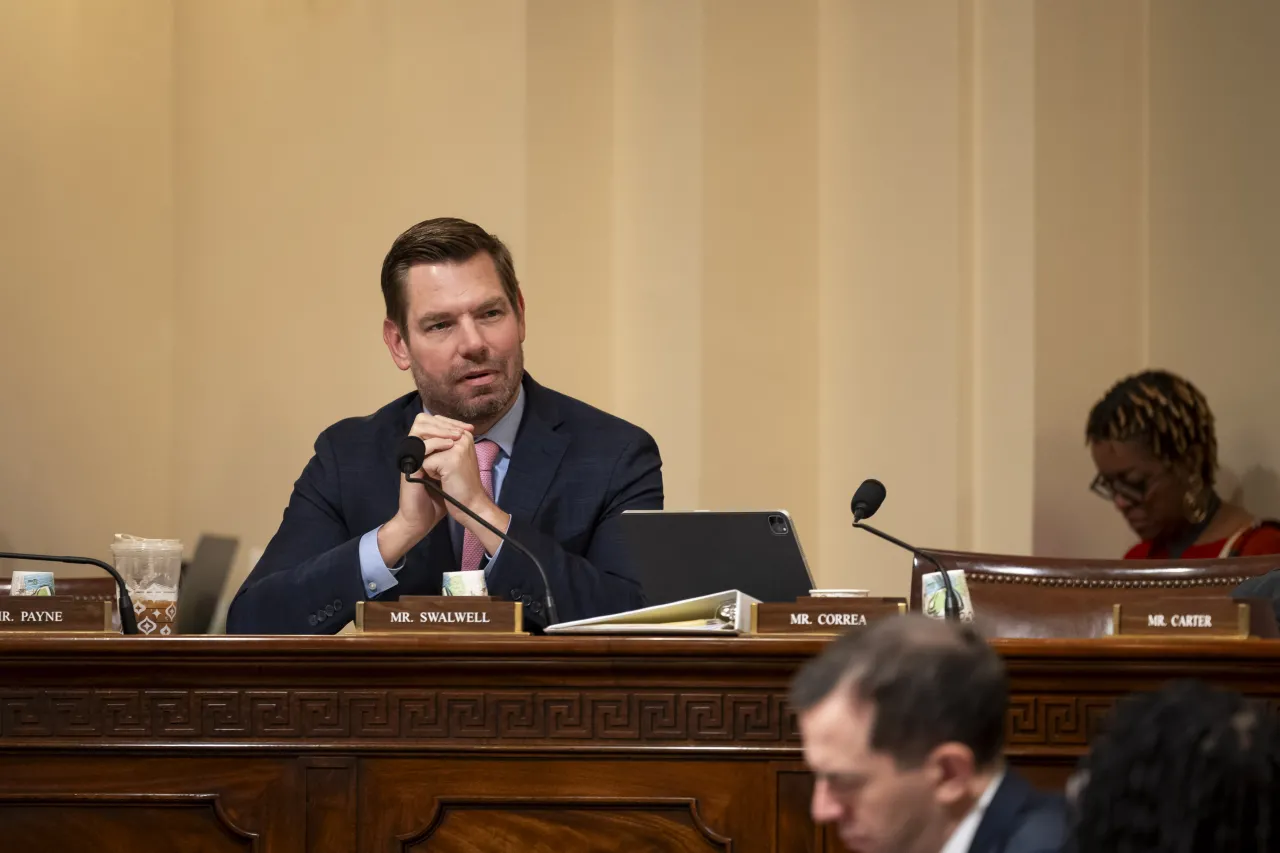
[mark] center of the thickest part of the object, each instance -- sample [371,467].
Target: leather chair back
[1054,597]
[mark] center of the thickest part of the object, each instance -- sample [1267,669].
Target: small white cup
[464,583]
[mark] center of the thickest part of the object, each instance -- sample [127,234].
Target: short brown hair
[442,240]
[930,682]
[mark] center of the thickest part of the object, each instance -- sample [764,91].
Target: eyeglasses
[1110,488]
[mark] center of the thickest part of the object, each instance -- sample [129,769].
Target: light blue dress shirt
[378,576]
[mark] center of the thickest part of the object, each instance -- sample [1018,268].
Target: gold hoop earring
[1195,504]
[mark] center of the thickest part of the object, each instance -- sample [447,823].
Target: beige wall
[891,328]
[1215,225]
[802,242]
[308,136]
[87,322]
[1090,254]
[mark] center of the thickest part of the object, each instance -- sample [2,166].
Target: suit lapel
[536,456]
[999,816]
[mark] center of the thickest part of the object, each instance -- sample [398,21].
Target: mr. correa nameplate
[440,614]
[824,614]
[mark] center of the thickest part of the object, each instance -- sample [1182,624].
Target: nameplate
[1206,618]
[440,614]
[56,613]
[823,615]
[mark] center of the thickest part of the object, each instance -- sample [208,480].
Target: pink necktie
[472,550]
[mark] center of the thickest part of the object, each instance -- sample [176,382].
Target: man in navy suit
[903,727]
[551,471]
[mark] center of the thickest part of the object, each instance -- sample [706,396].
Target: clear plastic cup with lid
[151,569]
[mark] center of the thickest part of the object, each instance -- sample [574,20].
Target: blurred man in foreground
[903,727]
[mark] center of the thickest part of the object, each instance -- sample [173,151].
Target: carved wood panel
[794,830]
[331,786]
[190,823]
[201,804]
[559,825]
[566,805]
[383,744]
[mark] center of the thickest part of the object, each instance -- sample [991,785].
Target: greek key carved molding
[1055,720]
[1073,721]
[544,716]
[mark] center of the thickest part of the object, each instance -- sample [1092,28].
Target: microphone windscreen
[410,453]
[867,499]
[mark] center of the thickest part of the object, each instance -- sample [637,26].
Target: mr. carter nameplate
[1210,618]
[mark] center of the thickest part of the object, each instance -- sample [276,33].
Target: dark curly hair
[1163,412]
[1189,769]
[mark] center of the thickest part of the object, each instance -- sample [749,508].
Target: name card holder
[822,614]
[1197,618]
[440,614]
[60,614]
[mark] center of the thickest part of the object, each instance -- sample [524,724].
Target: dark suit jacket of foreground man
[1021,819]
[573,470]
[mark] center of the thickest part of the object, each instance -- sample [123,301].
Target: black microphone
[128,622]
[409,455]
[866,500]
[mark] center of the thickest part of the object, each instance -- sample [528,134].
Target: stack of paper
[719,613]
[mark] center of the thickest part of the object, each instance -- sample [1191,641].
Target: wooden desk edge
[475,646]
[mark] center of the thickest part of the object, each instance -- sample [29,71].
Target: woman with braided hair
[1186,770]
[1153,443]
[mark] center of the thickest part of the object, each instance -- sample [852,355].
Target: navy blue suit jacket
[573,470]
[1021,819]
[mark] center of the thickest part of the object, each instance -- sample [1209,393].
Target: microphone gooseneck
[409,456]
[866,501]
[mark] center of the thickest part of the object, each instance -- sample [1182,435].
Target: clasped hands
[450,460]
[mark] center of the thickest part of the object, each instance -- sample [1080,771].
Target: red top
[1256,541]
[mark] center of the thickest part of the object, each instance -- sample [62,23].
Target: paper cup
[31,583]
[465,583]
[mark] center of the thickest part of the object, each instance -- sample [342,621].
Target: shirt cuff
[489,565]
[376,575]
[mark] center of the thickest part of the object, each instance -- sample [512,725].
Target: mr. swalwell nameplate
[56,613]
[440,614]
[823,614]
